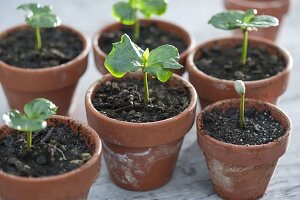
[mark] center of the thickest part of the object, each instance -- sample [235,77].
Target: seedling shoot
[246,21]
[240,88]
[127,12]
[33,119]
[38,17]
[128,57]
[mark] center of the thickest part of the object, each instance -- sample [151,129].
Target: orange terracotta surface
[141,156]
[211,89]
[238,171]
[276,8]
[73,185]
[100,56]
[56,83]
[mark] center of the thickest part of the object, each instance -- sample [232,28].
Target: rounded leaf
[124,13]
[40,109]
[227,20]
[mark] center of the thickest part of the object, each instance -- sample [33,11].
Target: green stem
[136,31]
[245,46]
[242,111]
[38,38]
[146,95]
[29,139]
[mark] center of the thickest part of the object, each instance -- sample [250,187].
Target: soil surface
[260,127]
[150,37]
[58,46]
[124,100]
[55,150]
[224,63]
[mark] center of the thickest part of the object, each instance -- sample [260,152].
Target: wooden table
[190,179]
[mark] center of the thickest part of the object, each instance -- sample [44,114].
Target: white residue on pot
[220,86]
[130,167]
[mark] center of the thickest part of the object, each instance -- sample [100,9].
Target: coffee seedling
[240,88]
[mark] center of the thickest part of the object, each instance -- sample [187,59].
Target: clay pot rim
[54,178]
[270,106]
[260,4]
[81,36]
[190,44]
[191,67]
[97,83]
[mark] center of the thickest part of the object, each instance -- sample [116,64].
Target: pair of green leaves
[33,119]
[39,16]
[128,57]
[126,12]
[235,19]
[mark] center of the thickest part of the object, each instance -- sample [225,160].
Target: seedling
[38,17]
[128,57]
[246,21]
[240,88]
[33,119]
[126,12]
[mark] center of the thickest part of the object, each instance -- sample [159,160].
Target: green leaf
[162,61]
[150,7]
[124,57]
[124,13]
[249,15]
[263,21]
[145,56]
[40,109]
[18,121]
[40,16]
[228,20]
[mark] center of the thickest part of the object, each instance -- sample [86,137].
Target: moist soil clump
[260,126]
[150,37]
[224,63]
[55,150]
[124,100]
[58,46]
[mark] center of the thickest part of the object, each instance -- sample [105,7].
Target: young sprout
[240,88]
[126,12]
[246,21]
[38,17]
[33,119]
[128,57]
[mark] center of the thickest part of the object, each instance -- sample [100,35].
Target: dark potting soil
[260,126]
[150,37]
[124,100]
[55,150]
[58,46]
[224,63]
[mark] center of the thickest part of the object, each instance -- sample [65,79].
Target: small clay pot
[211,89]
[276,8]
[100,55]
[73,185]
[241,172]
[56,83]
[141,156]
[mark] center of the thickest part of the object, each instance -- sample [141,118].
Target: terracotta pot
[240,171]
[73,185]
[141,156]
[56,83]
[100,56]
[276,8]
[211,89]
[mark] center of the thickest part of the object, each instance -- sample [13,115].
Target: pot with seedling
[242,141]
[57,158]
[277,8]
[41,59]
[142,112]
[264,66]
[146,33]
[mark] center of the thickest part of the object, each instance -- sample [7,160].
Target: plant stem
[29,139]
[146,95]
[242,111]
[245,46]
[136,31]
[38,38]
